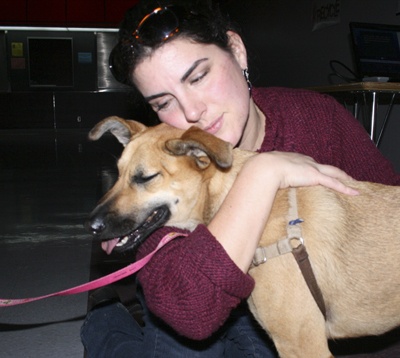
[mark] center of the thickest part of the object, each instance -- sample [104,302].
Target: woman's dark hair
[201,22]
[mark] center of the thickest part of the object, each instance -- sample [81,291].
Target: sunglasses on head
[158,26]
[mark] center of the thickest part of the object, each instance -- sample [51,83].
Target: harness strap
[293,243]
[301,255]
[281,247]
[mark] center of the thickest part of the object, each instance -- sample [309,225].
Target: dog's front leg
[285,308]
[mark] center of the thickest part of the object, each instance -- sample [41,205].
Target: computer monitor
[376,50]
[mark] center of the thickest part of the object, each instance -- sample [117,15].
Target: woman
[191,67]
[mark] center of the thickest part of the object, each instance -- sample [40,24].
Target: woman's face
[190,84]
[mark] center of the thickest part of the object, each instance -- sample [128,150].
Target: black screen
[377,49]
[50,62]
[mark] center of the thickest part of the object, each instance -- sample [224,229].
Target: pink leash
[100,282]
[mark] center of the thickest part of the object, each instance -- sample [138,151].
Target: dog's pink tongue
[109,245]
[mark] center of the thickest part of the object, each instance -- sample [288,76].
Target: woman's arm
[330,134]
[244,214]
[317,125]
[354,152]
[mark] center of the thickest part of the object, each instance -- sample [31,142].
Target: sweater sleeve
[352,150]
[192,284]
[317,125]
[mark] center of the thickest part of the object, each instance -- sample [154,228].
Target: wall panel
[115,9]
[46,11]
[87,13]
[13,11]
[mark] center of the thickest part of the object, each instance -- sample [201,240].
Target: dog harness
[293,243]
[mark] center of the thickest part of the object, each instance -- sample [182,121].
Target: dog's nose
[95,225]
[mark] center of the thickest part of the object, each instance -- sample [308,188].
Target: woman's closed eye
[161,105]
[198,78]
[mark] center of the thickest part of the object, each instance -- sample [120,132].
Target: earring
[247,78]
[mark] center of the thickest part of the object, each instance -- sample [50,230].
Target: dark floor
[49,182]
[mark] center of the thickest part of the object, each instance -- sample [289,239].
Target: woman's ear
[238,48]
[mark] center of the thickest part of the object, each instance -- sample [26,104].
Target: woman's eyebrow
[192,68]
[183,79]
[154,96]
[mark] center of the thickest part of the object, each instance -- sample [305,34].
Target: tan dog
[179,178]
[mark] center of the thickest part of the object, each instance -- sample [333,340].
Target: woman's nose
[193,110]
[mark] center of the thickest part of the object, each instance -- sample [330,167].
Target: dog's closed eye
[142,179]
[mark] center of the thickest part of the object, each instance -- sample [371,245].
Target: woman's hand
[295,170]
[240,221]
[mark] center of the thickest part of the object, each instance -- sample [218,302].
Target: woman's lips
[214,127]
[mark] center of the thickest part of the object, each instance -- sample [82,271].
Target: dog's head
[164,179]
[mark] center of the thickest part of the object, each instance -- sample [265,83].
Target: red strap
[100,282]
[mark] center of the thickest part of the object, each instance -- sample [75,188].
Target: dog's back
[354,244]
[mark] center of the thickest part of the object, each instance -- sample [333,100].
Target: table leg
[389,109]
[373,114]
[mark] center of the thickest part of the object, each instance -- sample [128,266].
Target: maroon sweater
[192,284]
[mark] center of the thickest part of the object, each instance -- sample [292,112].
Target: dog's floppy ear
[121,128]
[203,147]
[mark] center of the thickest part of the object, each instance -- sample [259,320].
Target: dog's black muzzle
[106,225]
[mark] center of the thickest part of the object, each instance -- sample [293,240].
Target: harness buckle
[295,242]
[260,256]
